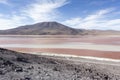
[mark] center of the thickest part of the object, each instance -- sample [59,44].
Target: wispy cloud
[98,20]
[4,1]
[48,10]
[44,10]
[41,10]
[11,22]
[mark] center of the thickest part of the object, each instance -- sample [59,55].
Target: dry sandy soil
[20,66]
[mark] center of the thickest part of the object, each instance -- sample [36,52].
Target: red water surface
[79,52]
[87,39]
[97,40]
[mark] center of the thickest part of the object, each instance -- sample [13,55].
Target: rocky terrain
[21,66]
[54,28]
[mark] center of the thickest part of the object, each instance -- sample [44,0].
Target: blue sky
[82,14]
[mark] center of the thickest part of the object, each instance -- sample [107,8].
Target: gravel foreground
[20,66]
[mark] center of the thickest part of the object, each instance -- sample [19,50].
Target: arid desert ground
[23,66]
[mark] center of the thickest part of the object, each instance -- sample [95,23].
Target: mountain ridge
[52,28]
[43,28]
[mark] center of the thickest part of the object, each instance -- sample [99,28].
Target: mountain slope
[44,28]
[54,28]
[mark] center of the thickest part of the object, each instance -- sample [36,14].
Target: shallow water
[78,45]
[90,45]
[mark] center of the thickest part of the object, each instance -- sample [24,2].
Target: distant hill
[52,28]
[44,28]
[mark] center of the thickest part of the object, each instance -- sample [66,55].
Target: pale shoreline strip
[87,46]
[75,56]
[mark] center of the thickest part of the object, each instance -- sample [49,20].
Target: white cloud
[4,1]
[98,20]
[98,14]
[41,10]
[44,10]
[47,10]
[14,21]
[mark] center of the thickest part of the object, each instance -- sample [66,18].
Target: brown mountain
[53,28]
[44,28]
